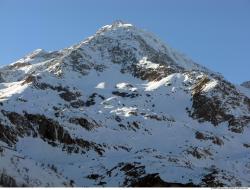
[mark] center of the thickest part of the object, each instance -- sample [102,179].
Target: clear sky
[214,33]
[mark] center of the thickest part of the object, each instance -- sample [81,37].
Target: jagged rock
[7,135]
[215,139]
[91,99]
[125,94]
[84,123]
[7,181]
[199,153]
[19,65]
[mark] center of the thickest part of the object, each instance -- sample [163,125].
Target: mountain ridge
[246,84]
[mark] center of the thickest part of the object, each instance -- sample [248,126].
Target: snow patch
[125,86]
[12,89]
[174,78]
[125,111]
[210,85]
[101,85]
[147,64]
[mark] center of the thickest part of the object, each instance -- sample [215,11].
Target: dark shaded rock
[247,145]
[132,171]
[215,139]
[47,128]
[198,152]
[91,99]
[118,119]
[154,180]
[18,65]
[206,109]
[135,124]
[102,183]
[84,123]
[237,124]
[93,176]
[200,135]
[212,108]
[90,145]
[68,96]
[77,104]
[65,93]
[152,74]
[7,181]
[51,130]
[22,124]
[211,180]
[122,126]
[7,135]
[125,94]
[155,117]
[158,117]
[29,79]
[21,99]
[79,64]
[120,55]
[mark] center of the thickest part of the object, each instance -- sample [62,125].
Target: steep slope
[121,109]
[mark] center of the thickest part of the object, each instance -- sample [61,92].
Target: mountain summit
[121,108]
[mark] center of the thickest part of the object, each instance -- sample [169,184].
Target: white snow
[148,64]
[101,85]
[177,79]
[11,89]
[124,111]
[125,86]
[209,86]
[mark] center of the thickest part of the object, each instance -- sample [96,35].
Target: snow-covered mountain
[121,108]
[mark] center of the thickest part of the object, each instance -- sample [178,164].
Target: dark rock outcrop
[154,180]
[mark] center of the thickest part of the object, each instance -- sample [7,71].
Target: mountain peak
[127,37]
[119,23]
[116,25]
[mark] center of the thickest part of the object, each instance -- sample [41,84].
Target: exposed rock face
[7,181]
[48,129]
[207,107]
[121,109]
[84,123]
[7,135]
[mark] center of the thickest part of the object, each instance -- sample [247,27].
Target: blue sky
[215,33]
